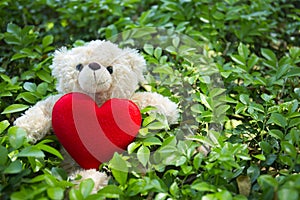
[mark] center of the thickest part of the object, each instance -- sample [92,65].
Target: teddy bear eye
[110,69]
[79,67]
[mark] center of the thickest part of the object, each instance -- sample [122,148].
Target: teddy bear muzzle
[94,78]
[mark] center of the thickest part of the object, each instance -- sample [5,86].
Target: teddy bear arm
[76,174]
[36,121]
[163,104]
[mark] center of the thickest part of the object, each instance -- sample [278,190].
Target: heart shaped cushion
[92,134]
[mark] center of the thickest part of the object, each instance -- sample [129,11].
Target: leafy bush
[250,122]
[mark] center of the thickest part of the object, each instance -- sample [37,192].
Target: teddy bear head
[100,69]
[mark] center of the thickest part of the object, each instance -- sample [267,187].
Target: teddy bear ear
[63,69]
[136,62]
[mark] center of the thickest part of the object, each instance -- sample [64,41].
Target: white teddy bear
[103,71]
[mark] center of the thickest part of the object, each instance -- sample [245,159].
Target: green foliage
[252,45]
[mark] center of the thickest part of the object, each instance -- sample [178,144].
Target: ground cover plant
[250,121]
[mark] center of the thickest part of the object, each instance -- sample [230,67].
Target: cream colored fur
[100,84]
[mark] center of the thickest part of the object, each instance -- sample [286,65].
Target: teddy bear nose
[94,66]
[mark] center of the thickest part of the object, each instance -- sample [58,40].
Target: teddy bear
[101,70]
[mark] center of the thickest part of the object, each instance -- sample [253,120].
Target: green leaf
[294,72]
[239,108]
[175,41]
[157,52]
[119,168]
[257,107]
[282,70]
[198,160]
[203,187]
[110,31]
[132,147]
[276,133]
[218,15]
[278,119]
[157,184]
[288,193]
[6,94]
[51,180]
[180,161]
[60,174]
[148,108]
[243,51]
[42,88]
[143,155]
[47,40]
[165,69]
[265,146]
[197,108]
[14,167]
[45,76]
[13,28]
[147,120]
[260,157]
[170,141]
[253,171]
[3,125]
[5,78]
[166,152]
[294,52]
[224,194]
[144,131]
[238,59]
[31,87]
[18,56]
[252,61]
[258,80]
[3,155]
[267,181]
[86,187]
[266,97]
[148,49]
[294,122]
[202,139]
[286,160]
[217,92]
[27,96]
[111,191]
[156,126]
[271,158]
[31,151]
[268,54]
[144,32]
[49,149]
[220,111]
[289,149]
[244,98]
[174,189]
[152,141]
[161,196]
[205,101]
[16,136]
[56,193]
[75,194]
[225,74]
[15,108]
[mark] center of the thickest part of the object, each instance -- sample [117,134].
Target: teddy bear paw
[100,179]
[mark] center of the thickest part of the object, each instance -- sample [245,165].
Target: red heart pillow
[92,134]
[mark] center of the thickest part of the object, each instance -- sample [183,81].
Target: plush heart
[92,134]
